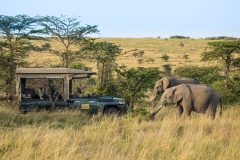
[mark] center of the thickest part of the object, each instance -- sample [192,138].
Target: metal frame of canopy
[66,74]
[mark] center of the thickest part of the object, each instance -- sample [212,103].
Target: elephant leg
[187,112]
[212,109]
[187,108]
[179,111]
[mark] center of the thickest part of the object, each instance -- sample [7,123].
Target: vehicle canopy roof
[52,73]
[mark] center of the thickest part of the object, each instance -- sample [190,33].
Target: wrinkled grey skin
[164,83]
[191,97]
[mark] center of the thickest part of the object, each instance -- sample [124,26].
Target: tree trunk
[66,61]
[227,69]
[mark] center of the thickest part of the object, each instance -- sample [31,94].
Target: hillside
[152,47]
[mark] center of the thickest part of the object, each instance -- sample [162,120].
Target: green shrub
[221,38]
[230,94]
[165,57]
[132,84]
[179,37]
[206,75]
[167,68]
[78,66]
[142,112]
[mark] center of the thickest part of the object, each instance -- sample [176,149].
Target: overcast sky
[141,18]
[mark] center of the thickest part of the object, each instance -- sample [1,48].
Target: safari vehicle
[32,101]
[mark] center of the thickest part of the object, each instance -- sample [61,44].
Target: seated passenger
[78,92]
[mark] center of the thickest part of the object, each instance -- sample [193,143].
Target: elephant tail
[221,109]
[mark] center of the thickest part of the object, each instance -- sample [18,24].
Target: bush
[221,38]
[139,112]
[206,75]
[179,37]
[140,60]
[78,66]
[131,84]
[185,56]
[165,57]
[167,69]
[230,94]
[150,60]
[181,44]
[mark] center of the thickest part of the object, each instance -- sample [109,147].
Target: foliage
[78,65]
[222,51]
[222,38]
[179,37]
[69,32]
[141,53]
[236,62]
[133,83]
[43,47]
[167,68]
[104,54]
[181,44]
[206,75]
[140,60]
[150,60]
[185,56]
[165,57]
[138,53]
[14,46]
[139,112]
[230,94]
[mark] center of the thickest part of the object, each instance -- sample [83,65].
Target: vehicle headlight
[121,102]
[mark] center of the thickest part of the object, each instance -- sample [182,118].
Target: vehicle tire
[111,111]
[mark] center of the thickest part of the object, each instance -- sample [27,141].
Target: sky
[140,18]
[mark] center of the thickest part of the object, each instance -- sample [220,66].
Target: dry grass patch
[125,137]
[153,48]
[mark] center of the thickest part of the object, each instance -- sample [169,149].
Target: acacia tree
[69,32]
[14,46]
[223,51]
[133,83]
[104,54]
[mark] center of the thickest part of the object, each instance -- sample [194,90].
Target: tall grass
[73,135]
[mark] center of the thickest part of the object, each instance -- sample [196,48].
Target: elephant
[191,97]
[164,83]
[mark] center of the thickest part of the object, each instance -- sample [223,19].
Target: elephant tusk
[151,98]
[155,112]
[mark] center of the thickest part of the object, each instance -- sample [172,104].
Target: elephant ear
[165,83]
[177,95]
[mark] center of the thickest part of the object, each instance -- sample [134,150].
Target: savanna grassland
[74,135]
[152,47]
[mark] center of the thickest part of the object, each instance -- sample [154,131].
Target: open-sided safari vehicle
[32,96]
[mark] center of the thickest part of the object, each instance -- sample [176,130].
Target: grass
[153,48]
[73,135]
